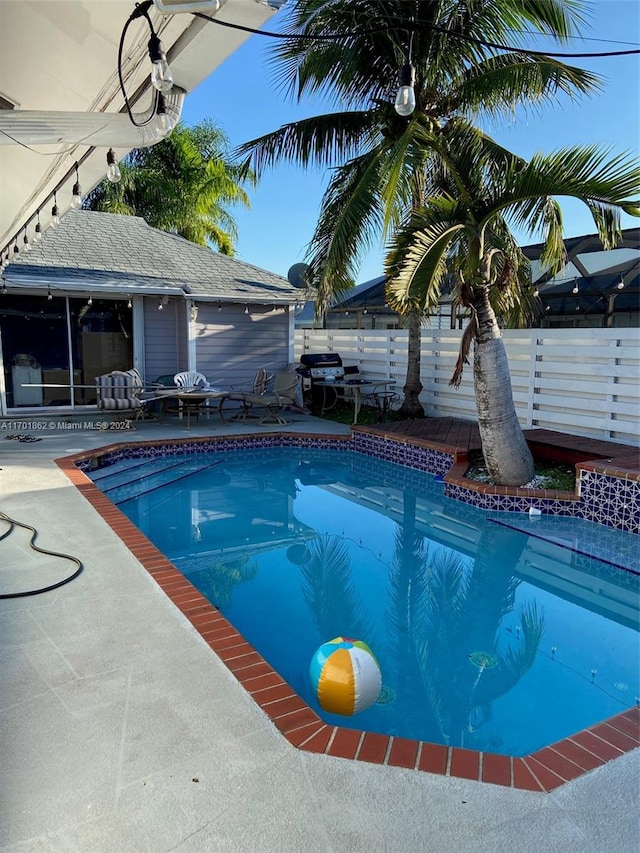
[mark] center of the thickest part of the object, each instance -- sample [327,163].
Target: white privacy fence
[580,381]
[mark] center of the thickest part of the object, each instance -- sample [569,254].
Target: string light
[575,286]
[38,232]
[90,300]
[129,303]
[246,309]
[55,213]
[25,240]
[49,295]
[413,26]
[406,98]
[166,122]
[113,170]
[219,306]
[620,284]
[76,198]
[161,76]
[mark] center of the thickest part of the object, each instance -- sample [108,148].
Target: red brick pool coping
[542,771]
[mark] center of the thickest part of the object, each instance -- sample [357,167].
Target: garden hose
[34,533]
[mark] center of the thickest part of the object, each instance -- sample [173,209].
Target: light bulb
[113,170]
[161,76]
[129,304]
[49,295]
[90,300]
[160,306]
[165,123]
[38,235]
[76,198]
[406,98]
[55,216]
[575,288]
[620,284]
[25,240]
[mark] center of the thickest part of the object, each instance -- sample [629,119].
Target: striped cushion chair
[120,391]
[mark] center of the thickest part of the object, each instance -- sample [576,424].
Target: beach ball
[345,676]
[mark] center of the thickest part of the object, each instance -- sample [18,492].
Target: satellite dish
[297,274]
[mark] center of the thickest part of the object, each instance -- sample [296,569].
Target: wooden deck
[464,434]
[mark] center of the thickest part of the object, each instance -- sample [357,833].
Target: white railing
[580,381]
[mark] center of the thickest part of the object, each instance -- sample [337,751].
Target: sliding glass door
[54,348]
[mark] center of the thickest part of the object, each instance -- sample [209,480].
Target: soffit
[61,55]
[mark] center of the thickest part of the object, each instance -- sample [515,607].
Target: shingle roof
[126,253]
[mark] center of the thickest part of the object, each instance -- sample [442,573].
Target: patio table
[354,385]
[190,398]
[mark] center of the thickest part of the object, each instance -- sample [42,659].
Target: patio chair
[120,391]
[191,380]
[383,399]
[283,395]
[163,405]
[244,396]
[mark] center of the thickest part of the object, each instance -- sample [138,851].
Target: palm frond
[350,214]
[501,83]
[468,336]
[324,140]
[416,264]
[587,173]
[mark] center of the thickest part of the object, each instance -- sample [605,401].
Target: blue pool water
[296,547]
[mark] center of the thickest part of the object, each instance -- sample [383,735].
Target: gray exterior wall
[232,345]
[165,338]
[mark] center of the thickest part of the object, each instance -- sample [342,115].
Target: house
[104,292]
[594,288]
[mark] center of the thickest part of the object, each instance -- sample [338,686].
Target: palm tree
[381,166]
[466,220]
[183,185]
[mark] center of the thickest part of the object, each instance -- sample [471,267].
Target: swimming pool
[494,632]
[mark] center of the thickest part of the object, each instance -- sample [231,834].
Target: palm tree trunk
[411,406]
[506,453]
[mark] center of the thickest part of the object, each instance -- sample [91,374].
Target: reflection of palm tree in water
[328,589]
[452,621]
[220,579]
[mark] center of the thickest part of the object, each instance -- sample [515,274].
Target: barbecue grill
[320,366]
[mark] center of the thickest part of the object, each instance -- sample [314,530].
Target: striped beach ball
[345,676]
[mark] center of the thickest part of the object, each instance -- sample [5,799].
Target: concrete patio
[122,731]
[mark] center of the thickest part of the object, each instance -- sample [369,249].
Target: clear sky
[242,97]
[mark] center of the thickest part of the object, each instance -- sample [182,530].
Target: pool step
[166,477]
[120,475]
